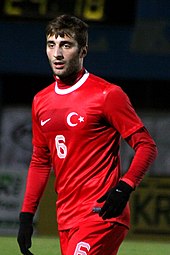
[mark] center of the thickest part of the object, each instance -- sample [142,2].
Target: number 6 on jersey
[60,146]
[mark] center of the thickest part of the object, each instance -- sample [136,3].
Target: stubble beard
[68,70]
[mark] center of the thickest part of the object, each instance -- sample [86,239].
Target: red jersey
[81,126]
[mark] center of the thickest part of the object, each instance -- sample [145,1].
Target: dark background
[129,45]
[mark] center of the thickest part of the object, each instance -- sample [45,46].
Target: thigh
[96,238]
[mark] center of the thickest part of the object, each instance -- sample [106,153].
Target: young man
[77,124]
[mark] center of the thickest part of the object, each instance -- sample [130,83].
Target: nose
[58,54]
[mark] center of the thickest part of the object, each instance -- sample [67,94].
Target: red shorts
[93,238]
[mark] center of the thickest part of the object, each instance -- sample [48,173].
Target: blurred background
[129,44]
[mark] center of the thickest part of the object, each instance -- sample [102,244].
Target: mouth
[58,65]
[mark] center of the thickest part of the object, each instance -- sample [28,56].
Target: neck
[70,80]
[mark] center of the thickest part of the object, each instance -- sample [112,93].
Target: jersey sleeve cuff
[129,182]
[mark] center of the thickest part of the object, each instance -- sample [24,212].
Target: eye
[50,45]
[66,45]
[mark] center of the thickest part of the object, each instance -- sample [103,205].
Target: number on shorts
[79,251]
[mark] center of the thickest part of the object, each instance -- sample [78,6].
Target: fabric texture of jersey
[81,127]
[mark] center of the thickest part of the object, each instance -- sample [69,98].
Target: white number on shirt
[60,146]
[79,251]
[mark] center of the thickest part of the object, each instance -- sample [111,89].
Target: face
[64,55]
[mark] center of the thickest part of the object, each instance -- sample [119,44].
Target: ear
[83,51]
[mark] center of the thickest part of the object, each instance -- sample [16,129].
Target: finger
[28,253]
[108,214]
[112,213]
[23,248]
[103,209]
[102,199]
[28,243]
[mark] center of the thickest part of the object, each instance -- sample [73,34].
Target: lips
[58,65]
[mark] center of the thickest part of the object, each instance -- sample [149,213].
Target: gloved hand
[115,200]
[25,232]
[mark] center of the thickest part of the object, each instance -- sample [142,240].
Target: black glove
[25,232]
[115,200]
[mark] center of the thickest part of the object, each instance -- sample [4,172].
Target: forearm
[34,188]
[145,154]
[37,178]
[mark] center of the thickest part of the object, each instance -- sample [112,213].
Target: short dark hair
[71,26]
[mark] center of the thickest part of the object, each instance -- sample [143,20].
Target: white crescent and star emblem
[74,123]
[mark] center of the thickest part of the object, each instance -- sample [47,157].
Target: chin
[59,73]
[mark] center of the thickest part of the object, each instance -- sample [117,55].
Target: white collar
[73,87]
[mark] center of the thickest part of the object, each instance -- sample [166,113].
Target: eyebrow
[64,41]
[50,41]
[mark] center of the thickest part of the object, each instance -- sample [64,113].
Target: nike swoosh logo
[118,190]
[43,122]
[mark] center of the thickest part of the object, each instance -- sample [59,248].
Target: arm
[37,178]
[38,175]
[145,153]
[121,115]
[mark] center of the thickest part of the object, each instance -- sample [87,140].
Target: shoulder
[100,81]
[109,88]
[44,92]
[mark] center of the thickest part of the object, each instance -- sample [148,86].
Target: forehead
[59,38]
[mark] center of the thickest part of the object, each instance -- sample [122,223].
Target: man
[77,124]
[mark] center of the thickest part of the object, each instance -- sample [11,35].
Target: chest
[77,112]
